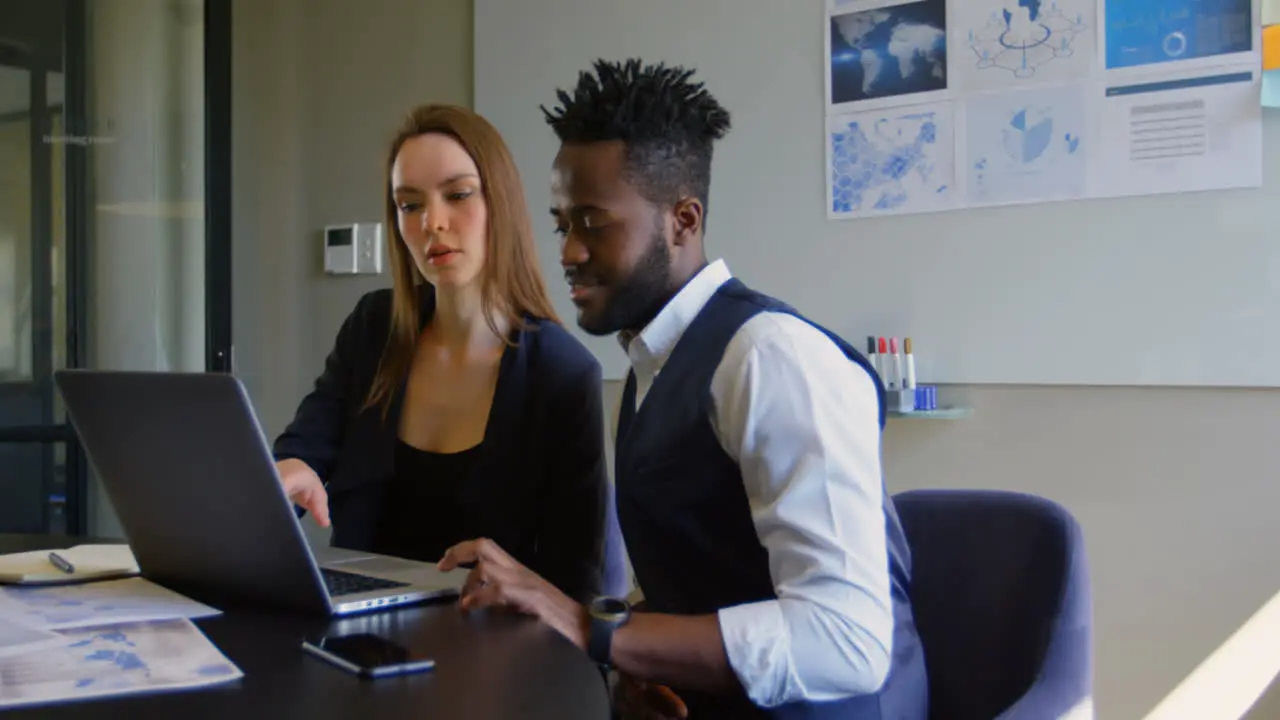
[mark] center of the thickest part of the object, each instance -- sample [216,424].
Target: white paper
[114,660]
[890,161]
[16,638]
[1027,145]
[65,606]
[1009,43]
[101,556]
[1271,12]
[1181,134]
[885,53]
[89,561]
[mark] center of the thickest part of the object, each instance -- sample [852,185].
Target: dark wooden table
[488,665]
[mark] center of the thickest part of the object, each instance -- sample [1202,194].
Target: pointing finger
[319,507]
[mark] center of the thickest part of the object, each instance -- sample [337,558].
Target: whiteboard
[1177,290]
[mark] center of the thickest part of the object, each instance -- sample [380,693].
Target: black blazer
[541,472]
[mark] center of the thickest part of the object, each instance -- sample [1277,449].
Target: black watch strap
[600,640]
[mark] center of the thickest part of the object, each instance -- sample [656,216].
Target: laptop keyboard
[345,583]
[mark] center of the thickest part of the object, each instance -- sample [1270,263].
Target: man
[749,490]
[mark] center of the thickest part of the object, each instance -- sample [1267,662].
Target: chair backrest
[1001,598]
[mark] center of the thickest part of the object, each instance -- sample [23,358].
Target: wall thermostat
[354,249]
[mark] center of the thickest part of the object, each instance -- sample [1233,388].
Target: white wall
[1175,488]
[991,295]
[318,92]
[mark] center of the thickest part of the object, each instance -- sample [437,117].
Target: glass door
[114,248]
[33,310]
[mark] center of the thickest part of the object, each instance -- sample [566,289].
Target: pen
[61,563]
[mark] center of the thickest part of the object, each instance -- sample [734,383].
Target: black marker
[61,563]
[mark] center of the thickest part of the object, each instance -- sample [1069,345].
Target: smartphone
[369,656]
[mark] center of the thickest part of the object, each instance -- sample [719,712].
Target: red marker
[886,365]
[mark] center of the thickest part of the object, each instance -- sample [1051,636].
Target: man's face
[616,252]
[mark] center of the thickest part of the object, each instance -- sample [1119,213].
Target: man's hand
[305,489]
[638,700]
[498,580]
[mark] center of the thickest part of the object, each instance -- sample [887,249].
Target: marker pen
[871,354]
[885,365]
[909,382]
[897,364]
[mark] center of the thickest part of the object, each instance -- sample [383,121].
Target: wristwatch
[607,614]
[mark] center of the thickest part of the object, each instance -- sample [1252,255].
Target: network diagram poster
[1005,44]
[940,104]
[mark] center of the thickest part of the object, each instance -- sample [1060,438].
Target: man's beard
[638,298]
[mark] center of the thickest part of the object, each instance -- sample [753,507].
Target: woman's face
[440,209]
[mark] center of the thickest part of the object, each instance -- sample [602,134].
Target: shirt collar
[650,348]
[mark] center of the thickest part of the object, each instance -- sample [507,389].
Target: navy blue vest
[687,521]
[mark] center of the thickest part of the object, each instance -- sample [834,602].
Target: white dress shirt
[802,422]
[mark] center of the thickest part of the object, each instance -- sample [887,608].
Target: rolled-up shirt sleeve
[802,422]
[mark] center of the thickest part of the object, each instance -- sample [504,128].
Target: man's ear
[687,219]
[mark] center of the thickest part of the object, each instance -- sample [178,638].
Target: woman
[455,405]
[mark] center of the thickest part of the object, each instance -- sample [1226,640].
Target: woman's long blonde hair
[512,284]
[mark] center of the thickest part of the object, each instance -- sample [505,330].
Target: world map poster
[887,53]
[892,161]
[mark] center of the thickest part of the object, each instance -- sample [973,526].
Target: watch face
[608,607]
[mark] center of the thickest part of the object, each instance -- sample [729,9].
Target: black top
[538,487]
[424,511]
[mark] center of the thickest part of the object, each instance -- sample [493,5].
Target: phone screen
[368,652]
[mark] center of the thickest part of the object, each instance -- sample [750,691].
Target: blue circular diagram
[1175,44]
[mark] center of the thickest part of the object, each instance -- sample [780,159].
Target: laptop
[185,464]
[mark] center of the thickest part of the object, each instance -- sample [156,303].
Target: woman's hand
[305,489]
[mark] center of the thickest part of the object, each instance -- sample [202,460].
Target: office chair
[1001,597]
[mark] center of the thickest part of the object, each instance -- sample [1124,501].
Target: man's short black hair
[666,123]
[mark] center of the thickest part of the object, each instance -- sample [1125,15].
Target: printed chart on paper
[115,660]
[1027,145]
[1014,42]
[1145,32]
[888,161]
[945,104]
